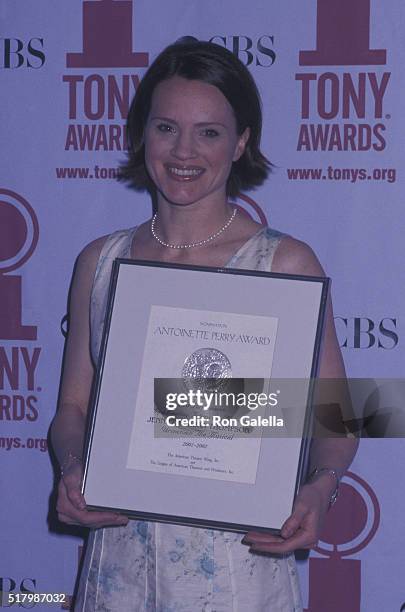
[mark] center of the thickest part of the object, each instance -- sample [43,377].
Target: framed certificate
[161,444]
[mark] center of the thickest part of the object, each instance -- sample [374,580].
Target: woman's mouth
[184,173]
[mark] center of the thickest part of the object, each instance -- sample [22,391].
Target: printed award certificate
[188,422]
[177,337]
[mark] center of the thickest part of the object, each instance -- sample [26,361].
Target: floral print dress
[158,567]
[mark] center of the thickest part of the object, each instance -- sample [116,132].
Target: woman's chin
[179,197]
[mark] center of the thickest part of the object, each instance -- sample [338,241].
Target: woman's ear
[241,145]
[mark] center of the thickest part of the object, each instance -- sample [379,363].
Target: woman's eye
[165,128]
[211,133]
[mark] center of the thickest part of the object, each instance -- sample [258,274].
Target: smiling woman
[191,142]
[207,64]
[194,133]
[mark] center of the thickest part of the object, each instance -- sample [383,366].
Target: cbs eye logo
[19,233]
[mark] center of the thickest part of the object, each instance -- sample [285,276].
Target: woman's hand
[71,505]
[303,528]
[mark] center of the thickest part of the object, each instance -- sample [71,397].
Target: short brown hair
[215,65]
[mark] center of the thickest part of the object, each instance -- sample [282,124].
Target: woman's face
[191,141]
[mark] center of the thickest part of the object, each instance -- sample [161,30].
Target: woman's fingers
[299,540]
[94,519]
[257,536]
[269,543]
[300,530]
[64,518]
[71,510]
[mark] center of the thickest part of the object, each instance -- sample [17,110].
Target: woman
[194,132]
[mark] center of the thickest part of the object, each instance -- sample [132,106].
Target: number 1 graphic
[343,36]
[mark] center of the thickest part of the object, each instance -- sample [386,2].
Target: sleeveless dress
[155,567]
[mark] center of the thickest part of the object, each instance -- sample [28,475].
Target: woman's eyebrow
[163,119]
[205,123]
[199,124]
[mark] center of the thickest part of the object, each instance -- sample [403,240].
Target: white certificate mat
[266,325]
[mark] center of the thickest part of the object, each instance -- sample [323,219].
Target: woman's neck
[189,223]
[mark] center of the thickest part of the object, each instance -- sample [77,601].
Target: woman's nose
[184,146]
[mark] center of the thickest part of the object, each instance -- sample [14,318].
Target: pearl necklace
[193,244]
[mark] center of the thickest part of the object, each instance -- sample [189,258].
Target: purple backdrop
[330,74]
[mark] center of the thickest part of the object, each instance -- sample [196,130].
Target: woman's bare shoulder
[93,249]
[89,255]
[87,259]
[296,257]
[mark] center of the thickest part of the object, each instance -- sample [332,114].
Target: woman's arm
[302,529]
[68,426]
